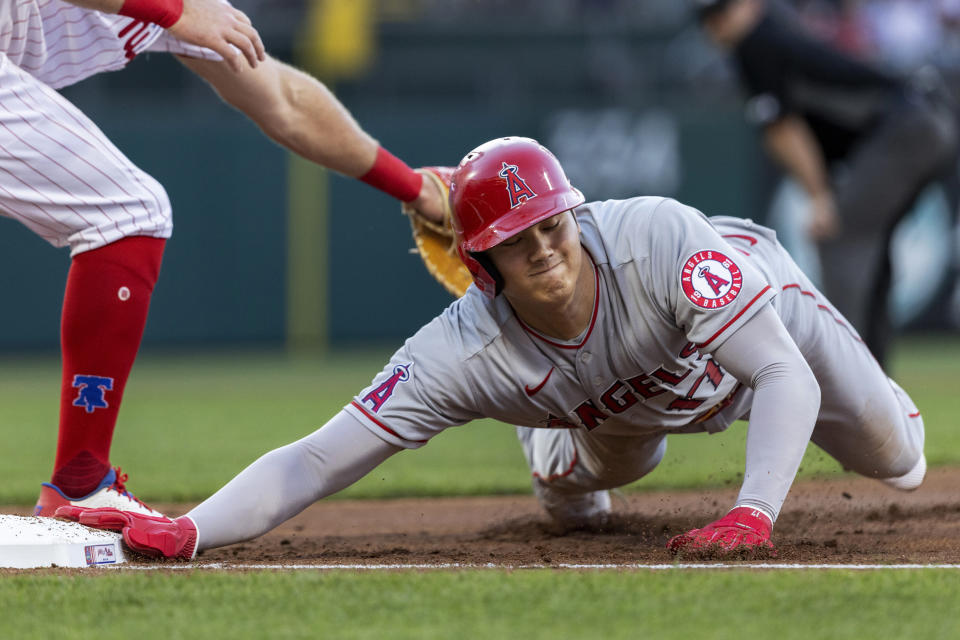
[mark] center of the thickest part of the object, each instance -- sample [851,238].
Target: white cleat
[110,493]
[912,479]
[590,510]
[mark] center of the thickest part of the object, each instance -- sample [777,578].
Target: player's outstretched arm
[278,486]
[285,481]
[762,355]
[205,23]
[295,110]
[300,113]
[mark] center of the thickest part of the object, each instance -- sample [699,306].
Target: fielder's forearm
[295,110]
[287,480]
[318,127]
[762,355]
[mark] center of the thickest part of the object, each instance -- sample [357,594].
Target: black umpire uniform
[882,138]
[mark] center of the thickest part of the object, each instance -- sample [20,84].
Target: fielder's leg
[63,179]
[104,313]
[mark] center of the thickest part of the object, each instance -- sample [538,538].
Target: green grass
[191,422]
[485,604]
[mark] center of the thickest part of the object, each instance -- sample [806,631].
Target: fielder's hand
[743,529]
[433,233]
[222,28]
[150,535]
[432,203]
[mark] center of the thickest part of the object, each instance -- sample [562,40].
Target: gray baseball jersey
[59,175]
[593,411]
[668,285]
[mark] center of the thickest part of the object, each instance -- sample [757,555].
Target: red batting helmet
[499,189]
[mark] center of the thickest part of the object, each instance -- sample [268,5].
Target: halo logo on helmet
[517,187]
[486,211]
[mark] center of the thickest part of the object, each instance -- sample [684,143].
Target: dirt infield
[849,520]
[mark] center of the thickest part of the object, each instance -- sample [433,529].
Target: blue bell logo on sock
[91,393]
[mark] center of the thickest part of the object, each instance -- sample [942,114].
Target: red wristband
[391,175]
[162,12]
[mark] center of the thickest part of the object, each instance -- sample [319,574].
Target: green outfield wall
[270,250]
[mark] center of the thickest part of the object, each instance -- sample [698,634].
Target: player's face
[541,263]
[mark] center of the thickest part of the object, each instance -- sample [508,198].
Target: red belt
[717,408]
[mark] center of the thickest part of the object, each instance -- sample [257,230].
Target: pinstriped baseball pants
[62,178]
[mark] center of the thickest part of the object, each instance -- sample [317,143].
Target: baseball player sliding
[599,329]
[62,178]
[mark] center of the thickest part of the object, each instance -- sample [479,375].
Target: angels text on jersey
[678,391]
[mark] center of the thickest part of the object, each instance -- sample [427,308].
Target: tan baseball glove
[436,242]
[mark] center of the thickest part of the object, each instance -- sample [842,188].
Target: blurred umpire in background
[861,143]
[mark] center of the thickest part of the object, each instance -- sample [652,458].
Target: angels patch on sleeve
[710,279]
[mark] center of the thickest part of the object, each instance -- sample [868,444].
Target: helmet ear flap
[485,275]
[484,261]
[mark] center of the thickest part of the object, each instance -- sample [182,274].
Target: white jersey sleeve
[707,287]
[168,44]
[60,43]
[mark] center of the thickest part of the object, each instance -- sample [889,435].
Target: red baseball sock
[104,313]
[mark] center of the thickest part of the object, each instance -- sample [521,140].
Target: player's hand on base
[222,28]
[150,535]
[432,203]
[101,518]
[742,529]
